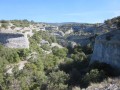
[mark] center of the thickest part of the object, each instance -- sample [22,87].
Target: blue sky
[89,11]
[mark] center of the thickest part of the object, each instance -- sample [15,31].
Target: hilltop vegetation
[115,22]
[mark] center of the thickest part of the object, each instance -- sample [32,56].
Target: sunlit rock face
[107,49]
[14,40]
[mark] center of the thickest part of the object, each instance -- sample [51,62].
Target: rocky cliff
[107,49]
[12,40]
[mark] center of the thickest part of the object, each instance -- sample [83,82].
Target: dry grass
[104,84]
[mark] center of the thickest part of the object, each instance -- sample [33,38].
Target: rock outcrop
[107,49]
[12,40]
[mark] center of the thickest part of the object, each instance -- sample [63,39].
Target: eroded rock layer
[12,40]
[107,49]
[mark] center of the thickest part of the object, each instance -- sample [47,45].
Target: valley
[59,56]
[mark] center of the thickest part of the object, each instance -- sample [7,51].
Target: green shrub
[10,55]
[4,25]
[45,47]
[108,69]
[94,76]
[20,23]
[50,62]
[57,81]
[60,52]
[23,53]
[78,56]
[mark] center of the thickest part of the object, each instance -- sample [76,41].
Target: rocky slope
[12,40]
[109,84]
[107,49]
[15,33]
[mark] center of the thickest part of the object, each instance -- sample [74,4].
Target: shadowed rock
[12,40]
[107,49]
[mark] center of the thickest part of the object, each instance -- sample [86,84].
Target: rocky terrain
[49,56]
[75,32]
[106,43]
[13,35]
[14,40]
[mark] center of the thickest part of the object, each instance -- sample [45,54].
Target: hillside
[68,56]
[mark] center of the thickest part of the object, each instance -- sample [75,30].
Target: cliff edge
[107,49]
[12,40]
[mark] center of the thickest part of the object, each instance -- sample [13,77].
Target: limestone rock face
[14,40]
[107,49]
